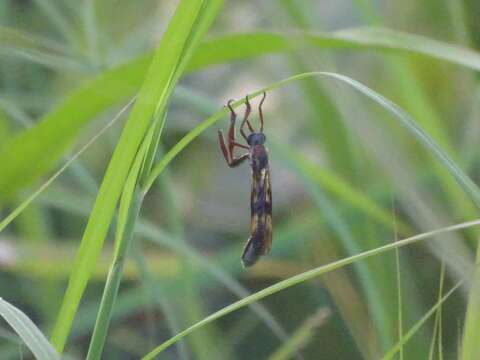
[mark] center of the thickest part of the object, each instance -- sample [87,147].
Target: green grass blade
[157,295]
[204,345]
[369,279]
[58,20]
[408,122]
[207,268]
[90,30]
[331,130]
[184,142]
[470,349]
[405,119]
[124,237]
[54,62]
[153,96]
[396,40]
[131,200]
[36,49]
[420,323]
[21,40]
[438,318]
[54,134]
[301,336]
[240,46]
[340,188]
[18,210]
[29,333]
[300,278]
[128,212]
[399,302]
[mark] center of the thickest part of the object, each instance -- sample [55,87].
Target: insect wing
[260,240]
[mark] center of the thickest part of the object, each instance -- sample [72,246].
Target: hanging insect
[260,240]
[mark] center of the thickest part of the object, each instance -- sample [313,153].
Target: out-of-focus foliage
[347,177]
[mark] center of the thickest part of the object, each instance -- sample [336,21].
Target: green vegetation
[121,227]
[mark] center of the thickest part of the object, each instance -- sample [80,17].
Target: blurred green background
[346,177]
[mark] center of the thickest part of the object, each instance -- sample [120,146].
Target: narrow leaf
[28,332]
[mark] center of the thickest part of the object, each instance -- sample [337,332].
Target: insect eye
[256,139]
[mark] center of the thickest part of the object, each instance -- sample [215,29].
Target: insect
[260,240]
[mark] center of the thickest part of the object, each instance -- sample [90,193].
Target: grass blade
[339,187]
[153,97]
[405,119]
[470,349]
[18,210]
[128,212]
[420,322]
[437,327]
[54,135]
[29,333]
[300,278]
[302,335]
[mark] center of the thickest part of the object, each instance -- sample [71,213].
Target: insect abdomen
[255,247]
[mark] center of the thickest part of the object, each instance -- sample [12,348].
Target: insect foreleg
[231,161]
[245,119]
[239,160]
[260,111]
[231,129]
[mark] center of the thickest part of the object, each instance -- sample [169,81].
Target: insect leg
[239,160]
[225,152]
[260,111]
[231,129]
[231,161]
[245,119]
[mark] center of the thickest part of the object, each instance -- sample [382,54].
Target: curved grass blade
[28,332]
[405,119]
[300,278]
[206,267]
[66,202]
[408,122]
[384,38]
[54,134]
[371,285]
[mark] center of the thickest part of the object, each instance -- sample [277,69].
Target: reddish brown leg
[239,160]
[260,111]
[245,119]
[228,152]
[231,161]
[231,129]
